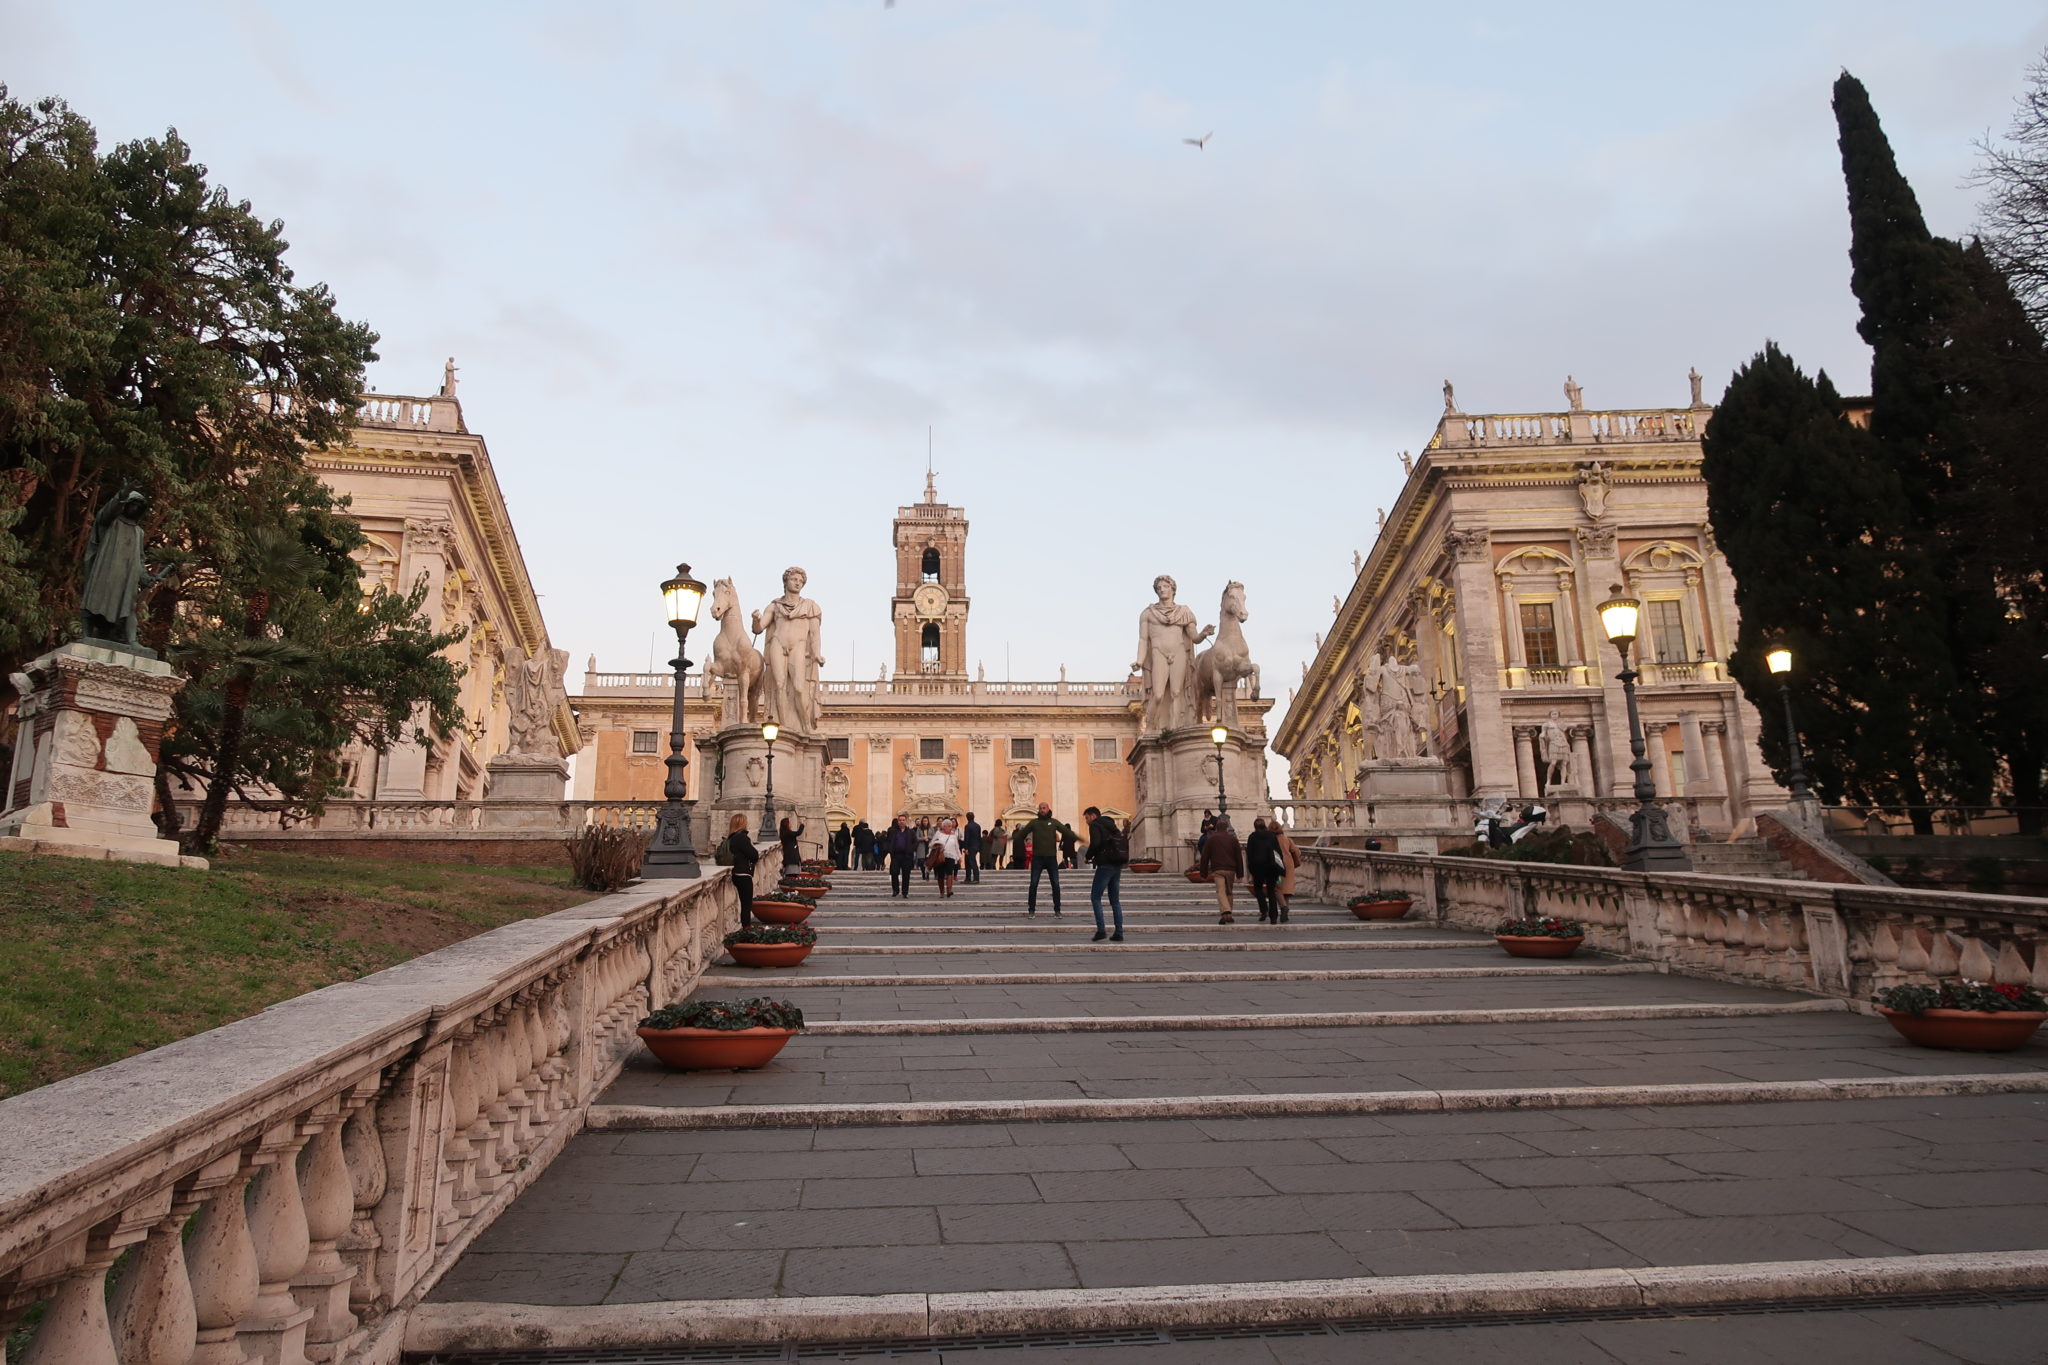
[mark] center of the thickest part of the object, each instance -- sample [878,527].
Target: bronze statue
[114,571]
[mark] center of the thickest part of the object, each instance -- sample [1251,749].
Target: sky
[713,271]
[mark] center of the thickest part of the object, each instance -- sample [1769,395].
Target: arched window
[930,568]
[930,643]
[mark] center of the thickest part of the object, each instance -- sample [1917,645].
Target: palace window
[1667,630]
[839,750]
[1023,750]
[930,565]
[931,750]
[1104,750]
[1539,635]
[647,741]
[929,644]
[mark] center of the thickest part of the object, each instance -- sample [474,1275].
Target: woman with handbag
[945,855]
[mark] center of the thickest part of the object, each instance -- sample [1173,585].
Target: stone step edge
[1182,1023]
[448,1327]
[1081,944]
[769,975]
[854,926]
[644,1117]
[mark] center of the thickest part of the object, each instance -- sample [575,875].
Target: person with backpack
[1109,851]
[737,851]
[1264,865]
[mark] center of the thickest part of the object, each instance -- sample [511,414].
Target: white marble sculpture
[537,691]
[790,654]
[734,658]
[1392,708]
[1557,753]
[1167,637]
[1218,668]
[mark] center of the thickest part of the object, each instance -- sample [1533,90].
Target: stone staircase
[1328,1140]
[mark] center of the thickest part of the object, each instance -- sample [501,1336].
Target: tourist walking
[791,858]
[863,845]
[741,855]
[902,841]
[970,849]
[946,853]
[924,846]
[842,846]
[1264,865]
[1020,841]
[998,842]
[1290,851]
[1044,834]
[1223,862]
[1109,851]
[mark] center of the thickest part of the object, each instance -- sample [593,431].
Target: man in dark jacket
[1223,861]
[902,841]
[1108,851]
[970,848]
[1264,865]
[1044,834]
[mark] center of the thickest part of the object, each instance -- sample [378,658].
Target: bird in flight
[1199,143]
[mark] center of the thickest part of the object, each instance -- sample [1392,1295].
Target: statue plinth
[734,780]
[525,792]
[84,778]
[1176,772]
[1409,801]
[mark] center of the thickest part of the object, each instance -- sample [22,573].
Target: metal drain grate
[949,1347]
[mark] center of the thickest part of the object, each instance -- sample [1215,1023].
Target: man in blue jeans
[1109,851]
[1044,835]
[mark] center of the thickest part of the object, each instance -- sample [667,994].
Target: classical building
[925,738]
[1471,637]
[420,482]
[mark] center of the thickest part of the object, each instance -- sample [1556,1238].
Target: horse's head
[1233,601]
[723,598]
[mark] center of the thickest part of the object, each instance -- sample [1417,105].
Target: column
[1699,773]
[1583,776]
[1511,623]
[981,779]
[1572,644]
[583,787]
[1525,759]
[1066,779]
[1717,752]
[1493,757]
[881,810]
[1659,756]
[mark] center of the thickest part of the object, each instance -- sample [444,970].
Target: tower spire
[931,491]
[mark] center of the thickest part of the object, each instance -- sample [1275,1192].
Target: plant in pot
[712,1035]
[780,908]
[1539,936]
[771,945]
[1144,865]
[1969,1016]
[1381,904]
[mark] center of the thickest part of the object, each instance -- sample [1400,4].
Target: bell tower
[929,610]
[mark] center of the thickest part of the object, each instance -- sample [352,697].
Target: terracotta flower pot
[1144,865]
[809,893]
[715,1049]
[769,954]
[1195,874]
[1966,1030]
[1381,909]
[1538,945]
[794,911]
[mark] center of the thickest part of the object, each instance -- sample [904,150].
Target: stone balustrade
[1611,426]
[1839,940]
[426,817]
[281,1189]
[1708,814]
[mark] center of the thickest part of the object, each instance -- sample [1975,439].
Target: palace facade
[1487,576]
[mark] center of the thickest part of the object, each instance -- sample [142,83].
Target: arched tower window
[930,568]
[930,643]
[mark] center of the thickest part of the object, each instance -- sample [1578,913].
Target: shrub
[1540,926]
[605,858]
[773,933]
[1961,995]
[757,1012]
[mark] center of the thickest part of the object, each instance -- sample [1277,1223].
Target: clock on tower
[929,609]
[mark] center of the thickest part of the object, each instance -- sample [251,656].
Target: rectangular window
[1667,630]
[647,741]
[1105,751]
[1539,635]
[839,750]
[1023,750]
[931,750]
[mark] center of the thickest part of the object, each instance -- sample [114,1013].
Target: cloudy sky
[712,269]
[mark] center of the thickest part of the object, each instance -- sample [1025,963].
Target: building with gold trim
[1486,575]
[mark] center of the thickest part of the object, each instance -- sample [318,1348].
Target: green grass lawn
[102,960]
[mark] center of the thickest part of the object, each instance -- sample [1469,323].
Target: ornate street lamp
[1219,733]
[1650,846]
[769,731]
[673,853]
[1779,659]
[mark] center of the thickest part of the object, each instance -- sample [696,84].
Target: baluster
[362,1148]
[1880,946]
[329,1199]
[1942,959]
[1976,963]
[74,1329]
[1912,958]
[275,1329]
[1757,962]
[458,1154]
[155,1319]
[2011,968]
[499,1071]
[221,1260]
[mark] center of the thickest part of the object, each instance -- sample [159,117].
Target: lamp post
[1779,659]
[673,853]
[769,731]
[1650,846]
[1220,733]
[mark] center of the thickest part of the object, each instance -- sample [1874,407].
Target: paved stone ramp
[1318,1141]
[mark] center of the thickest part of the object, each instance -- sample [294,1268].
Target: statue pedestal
[736,776]
[525,792]
[1409,801]
[84,778]
[1177,784]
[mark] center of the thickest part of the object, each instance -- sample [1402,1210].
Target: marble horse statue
[1218,667]
[733,656]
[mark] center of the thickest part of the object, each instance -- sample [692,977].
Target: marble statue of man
[113,568]
[790,634]
[1574,395]
[536,692]
[1166,653]
[1557,753]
